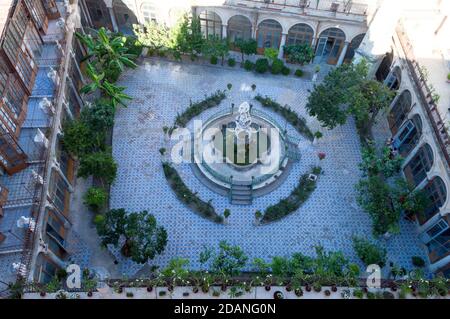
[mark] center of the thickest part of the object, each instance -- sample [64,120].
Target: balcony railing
[425,94]
[306,6]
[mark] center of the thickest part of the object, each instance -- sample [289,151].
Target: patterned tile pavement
[330,217]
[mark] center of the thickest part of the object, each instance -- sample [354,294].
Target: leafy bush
[95,198]
[248,65]
[79,139]
[298,73]
[290,204]
[231,62]
[299,53]
[197,108]
[271,54]
[134,46]
[277,66]
[285,70]
[100,165]
[100,116]
[368,252]
[261,65]
[298,122]
[418,261]
[188,197]
[213,60]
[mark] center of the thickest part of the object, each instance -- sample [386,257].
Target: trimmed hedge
[196,109]
[262,65]
[191,199]
[298,122]
[248,65]
[293,202]
[231,62]
[277,66]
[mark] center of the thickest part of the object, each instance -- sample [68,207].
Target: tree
[368,252]
[115,93]
[373,164]
[143,238]
[408,199]
[271,54]
[346,91]
[153,35]
[78,139]
[214,46]
[229,260]
[109,52]
[188,37]
[95,198]
[375,198]
[99,117]
[100,165]
[247,47]
[299,53]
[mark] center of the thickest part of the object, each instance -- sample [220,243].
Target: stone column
[282,43]
[224,31]
[377,41]
[254,31]
[343,53]
[109,5]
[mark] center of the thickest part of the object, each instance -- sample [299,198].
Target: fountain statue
[243,120]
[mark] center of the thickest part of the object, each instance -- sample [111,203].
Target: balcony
[346,10]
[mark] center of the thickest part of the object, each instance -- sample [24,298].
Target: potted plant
[317,286]
[195,289]
[316,73]
[278,295]
[327,292]
[333,288]
[298,292]
[258,216]
[448,78]
[89,293]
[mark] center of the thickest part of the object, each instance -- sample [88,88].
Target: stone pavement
[330,217]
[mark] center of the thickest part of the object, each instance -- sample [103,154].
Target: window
[356,42]
[417,168]
[329,45]
[55,235]
[59,193]
[148,12]
[299,34]
[437,193]
[399,111]
[394,79]
[211,24]
[46,269]
[239,27]
[269,34]
[385,67]
[439,246]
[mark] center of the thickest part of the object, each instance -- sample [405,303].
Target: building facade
[40,77]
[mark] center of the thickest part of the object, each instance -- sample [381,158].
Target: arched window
[329,46]
[385,67]
[408,136]
[299,34]
[239,27]
[125,16]
[211,24]
[399,111]
[148,11]
[437,194]
[269,35]
[356,42]
[394,79]
[417,168]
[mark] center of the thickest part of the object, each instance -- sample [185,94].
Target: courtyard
[329,218]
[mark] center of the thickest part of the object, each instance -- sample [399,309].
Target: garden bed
[298,122]
[184,194]
[290,204]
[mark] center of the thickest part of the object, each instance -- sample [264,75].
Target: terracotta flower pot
[267,287]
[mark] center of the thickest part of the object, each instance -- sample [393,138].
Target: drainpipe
[109,5]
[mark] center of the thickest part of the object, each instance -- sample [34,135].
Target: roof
[5,6]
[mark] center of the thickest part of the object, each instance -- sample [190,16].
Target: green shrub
[231,62]
[78,139]
[277,66]
[298,122]
[248,65]
[213,60]
[299,53]
[290,204]
[418,261]
[368,252]
[197,108]
[262,65]
[298,73]
[134,46]
[95,198]
[184,194]
[285,70]
[100,116]
[100,165]
[358,293]
[448,76]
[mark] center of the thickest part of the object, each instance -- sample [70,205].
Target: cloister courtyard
[330,217]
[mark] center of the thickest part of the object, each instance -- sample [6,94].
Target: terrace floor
[330,217]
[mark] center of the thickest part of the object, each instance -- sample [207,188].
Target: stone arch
[419,165]
[239,27]
[329,45]
[354,44]
[437,194]
[300,33]
[269,34]
[384,67]
[211,23]
[399,111]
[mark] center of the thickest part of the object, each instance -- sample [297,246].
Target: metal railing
[424,94]
[306,6]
